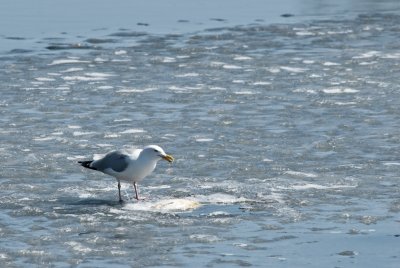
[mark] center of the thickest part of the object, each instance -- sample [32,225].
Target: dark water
[286,134]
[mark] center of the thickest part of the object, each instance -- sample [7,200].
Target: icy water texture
[286,136]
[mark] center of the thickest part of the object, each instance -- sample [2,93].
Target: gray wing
[115,160]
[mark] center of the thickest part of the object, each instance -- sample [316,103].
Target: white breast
[136,170]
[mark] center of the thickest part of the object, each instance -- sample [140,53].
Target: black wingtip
[86,164]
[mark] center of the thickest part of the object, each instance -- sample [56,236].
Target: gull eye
[155,151]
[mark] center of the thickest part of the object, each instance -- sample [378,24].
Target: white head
[156,153]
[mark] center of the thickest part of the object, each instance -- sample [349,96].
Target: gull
[133,166]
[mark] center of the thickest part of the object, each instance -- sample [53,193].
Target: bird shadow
[92,202]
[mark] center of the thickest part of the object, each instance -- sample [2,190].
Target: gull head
[156,153]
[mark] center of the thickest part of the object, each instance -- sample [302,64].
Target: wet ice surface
[285,136]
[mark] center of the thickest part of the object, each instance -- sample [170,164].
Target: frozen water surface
[286,138]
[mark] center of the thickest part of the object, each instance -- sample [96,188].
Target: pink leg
[136,191]
[119,192]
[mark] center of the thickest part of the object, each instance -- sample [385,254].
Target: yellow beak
[168,157]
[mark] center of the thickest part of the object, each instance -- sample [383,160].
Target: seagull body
[131,167]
